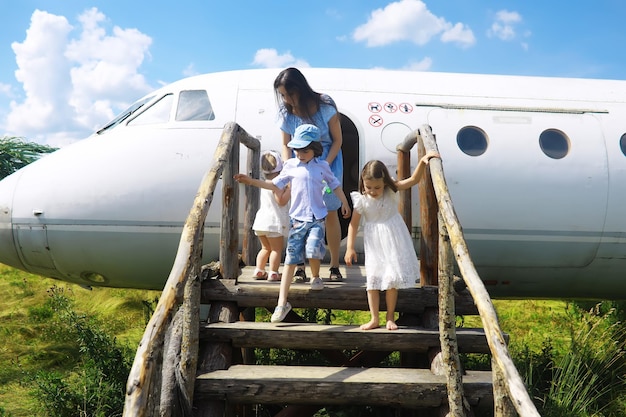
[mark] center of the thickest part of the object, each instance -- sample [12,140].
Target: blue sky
[68,66]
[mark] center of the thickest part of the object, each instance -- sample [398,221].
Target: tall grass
[589,379]
[571,359]
[41,341]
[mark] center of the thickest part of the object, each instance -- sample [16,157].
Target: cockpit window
[554,143]
[125,114]
[194,105]
[622,144]
[472,140]
[159,112]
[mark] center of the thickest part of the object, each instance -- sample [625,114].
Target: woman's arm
[334,128]
[286,151]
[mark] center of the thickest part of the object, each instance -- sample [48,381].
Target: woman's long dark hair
[294,82]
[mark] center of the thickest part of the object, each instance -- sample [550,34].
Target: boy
[306,173]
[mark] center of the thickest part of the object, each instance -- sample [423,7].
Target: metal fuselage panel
[114,204]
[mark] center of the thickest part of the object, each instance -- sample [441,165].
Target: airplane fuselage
[536,168]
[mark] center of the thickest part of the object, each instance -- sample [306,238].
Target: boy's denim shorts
[331,201]
[305,240]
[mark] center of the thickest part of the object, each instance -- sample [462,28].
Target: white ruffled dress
[271,217]
[390,259]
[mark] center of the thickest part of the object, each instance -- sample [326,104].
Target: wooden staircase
[185,366]
[353,374]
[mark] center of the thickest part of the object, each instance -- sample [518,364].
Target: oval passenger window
[554,143]
[472,141]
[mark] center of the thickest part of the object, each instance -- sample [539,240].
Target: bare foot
[372,324]
[391,325]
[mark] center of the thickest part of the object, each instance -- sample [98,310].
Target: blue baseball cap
[303,136]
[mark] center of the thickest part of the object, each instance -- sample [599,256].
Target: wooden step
[248,334]
[396,387]
[349,294]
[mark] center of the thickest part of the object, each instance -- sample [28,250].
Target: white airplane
[536,168]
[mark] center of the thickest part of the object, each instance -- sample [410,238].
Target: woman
[300,104]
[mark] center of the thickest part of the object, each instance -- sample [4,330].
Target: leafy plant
[16,153]
[96,387]
[589,381]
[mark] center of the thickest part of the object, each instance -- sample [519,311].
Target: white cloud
[190,70]
[74,85]
[269,58]
[504,25]
[423,65]
[460,34]
[5,90]
[410,20]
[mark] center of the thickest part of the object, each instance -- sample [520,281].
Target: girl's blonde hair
[271,163]
[376,170]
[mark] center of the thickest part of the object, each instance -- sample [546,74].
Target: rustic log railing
[162,377]
[434,245]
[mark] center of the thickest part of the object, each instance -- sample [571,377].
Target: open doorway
[350,150]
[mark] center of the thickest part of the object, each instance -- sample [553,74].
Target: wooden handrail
[495,338]
[144,395]
[153,388]
[428,237]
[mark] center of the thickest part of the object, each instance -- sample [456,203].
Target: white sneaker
[280,312]
[317,284]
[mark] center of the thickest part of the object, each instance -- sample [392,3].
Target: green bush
[589,381]
[96,386]
[586,381]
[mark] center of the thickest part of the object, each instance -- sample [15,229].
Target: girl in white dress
[390,260]
[271,223]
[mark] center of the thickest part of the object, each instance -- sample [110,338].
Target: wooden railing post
[447,326]
[428,210]
[495,338]
[229,247]
[250,245]
[404,171]
[143,390]
[429,233]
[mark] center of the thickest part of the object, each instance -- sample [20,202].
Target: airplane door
[498,194]
[350,149]
[30,240]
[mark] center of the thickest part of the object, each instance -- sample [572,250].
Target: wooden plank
[349,294]
[317,336]
[395,387]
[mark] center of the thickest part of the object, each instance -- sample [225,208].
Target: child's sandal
[273,276]
[335,274]
[259,275]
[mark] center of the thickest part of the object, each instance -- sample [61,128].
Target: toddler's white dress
[271,217]
[390,259]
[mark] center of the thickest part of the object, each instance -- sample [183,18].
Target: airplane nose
[8,252]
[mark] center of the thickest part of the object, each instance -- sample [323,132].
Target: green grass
[28,343]
[532,322]
[540,332]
